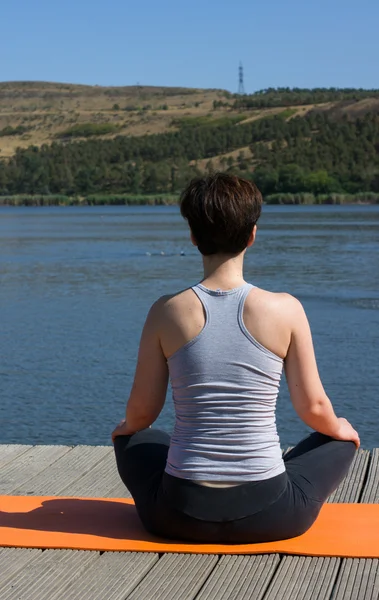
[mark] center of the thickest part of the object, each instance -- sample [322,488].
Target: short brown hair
[221,211]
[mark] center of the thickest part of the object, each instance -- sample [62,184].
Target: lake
[76,284]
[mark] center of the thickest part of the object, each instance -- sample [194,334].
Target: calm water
[76,284]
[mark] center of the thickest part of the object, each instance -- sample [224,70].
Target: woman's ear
[252,237]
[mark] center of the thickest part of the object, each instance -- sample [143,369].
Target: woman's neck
[223,271]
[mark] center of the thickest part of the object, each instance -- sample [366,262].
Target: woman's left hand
[121,429]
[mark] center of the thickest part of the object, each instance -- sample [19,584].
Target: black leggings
[261,511]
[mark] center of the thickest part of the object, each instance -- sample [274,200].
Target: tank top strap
[243,294]
[201,293]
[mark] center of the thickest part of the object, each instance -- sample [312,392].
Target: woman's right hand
[346,432]
[121,429]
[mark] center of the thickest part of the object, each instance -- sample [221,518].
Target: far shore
[361,198]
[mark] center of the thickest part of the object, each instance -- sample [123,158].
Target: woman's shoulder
[272,300]
[169,304]
[178,318]
[270,318]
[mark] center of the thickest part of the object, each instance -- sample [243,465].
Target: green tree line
[272,97]
[315,154]
[173,199]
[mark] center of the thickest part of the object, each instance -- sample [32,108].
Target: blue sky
[300,43]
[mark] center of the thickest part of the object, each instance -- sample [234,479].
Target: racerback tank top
[225,386]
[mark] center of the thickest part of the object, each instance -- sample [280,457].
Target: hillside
[37,113]
[73,139]
[43,112]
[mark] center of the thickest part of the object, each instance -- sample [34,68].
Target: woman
[223,343]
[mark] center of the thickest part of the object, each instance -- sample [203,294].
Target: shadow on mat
[116,520]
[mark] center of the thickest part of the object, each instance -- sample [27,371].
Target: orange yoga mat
[349,530]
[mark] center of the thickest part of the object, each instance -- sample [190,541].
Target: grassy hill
[76,139]
[37,113]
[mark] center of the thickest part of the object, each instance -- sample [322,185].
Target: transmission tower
[241,87]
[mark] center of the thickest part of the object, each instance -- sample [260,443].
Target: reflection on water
[76,284]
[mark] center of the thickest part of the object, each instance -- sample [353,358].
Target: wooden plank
[102,481]
[47,575]
[358,580]
[242,577]
[351,487]
[8,452]
[371,489]
[184,576]
[303,578]
[28,465]
[112,577]
[13,560]
[67,469]
[175,576]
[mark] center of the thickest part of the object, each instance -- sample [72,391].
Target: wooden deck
[73,575]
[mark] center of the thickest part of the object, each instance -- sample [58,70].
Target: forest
[323,152]
[298,96]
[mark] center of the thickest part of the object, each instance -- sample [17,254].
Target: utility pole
[241,87]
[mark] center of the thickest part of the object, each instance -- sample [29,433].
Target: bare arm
[149,389]
[307,393]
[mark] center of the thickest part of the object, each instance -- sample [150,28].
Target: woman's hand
[346,432]
[121,429]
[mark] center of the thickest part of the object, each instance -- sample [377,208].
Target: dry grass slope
[44,111]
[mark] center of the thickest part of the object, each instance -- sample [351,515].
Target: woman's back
[225,385]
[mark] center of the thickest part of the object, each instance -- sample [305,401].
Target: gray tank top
[225,385]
